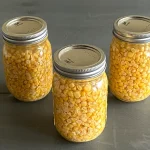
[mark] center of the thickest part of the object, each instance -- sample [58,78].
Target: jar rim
[133,28]
[81,64]
[24,30]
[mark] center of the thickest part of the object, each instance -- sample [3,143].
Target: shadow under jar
[80,92]
[129,72]
[27,58]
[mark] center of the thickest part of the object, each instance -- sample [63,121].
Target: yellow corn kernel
[79,87]
[87,88]
[130,54]
[71,85]
[122,78]
[62,87]
[83,93]
[70,93]
[84,103]
[77,94]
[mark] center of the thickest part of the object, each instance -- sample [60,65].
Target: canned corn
[129,74]
[80,92]
[27,58]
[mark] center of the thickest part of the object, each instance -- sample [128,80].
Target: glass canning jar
[129,73]
[27,58]
[80,92]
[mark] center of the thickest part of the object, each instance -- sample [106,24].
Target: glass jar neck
[81,80]
[9,44]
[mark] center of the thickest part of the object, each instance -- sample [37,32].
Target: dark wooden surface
[29,126]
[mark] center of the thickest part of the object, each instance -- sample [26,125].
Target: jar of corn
[129,74]
[80,92]
[27,58]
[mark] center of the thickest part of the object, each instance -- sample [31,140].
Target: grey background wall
[29,126]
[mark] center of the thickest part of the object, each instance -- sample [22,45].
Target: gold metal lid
[132,29]
[80,61]
[24,29]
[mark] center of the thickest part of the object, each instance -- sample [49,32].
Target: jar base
[128,101]
[33,100]
[75,141]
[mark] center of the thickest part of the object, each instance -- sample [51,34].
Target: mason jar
[27,58]
[129,72]
[80,92]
